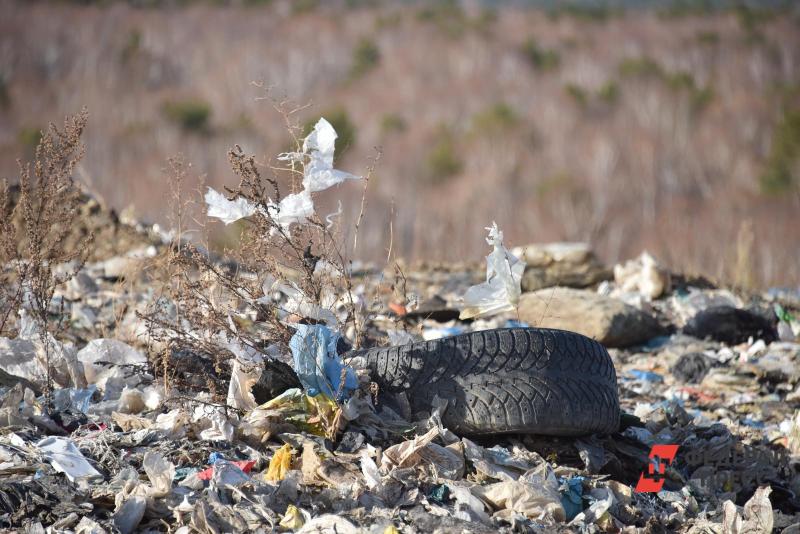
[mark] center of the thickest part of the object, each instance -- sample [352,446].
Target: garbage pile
[708,371]
[109,424]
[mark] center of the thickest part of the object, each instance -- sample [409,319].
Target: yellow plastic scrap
[280,464]
[293,519]
[391,529]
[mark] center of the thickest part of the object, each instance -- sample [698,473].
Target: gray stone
[561,264]
[607,320]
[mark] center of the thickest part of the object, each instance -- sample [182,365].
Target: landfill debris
[117,444]
[317,363]
[66,458]
[643,276]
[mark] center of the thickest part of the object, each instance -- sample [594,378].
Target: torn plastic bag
[501,291]
[298,303]
[27,356]
[294,518]
[66,458]
[229,474]
[317,363]
[73,399]
[160,471]
[497,462]
[317,415]
[320,146]
[757,516]
[244,465]
[228,211]
[603,500]
[296,208]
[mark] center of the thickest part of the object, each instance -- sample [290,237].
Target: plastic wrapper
[294,518]
[105,364]
[160,471]
[501,291]
[245,372]
[130,513]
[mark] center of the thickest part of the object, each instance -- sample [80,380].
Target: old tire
[511,380]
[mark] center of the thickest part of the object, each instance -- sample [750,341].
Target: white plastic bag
[501,291]
[297,208]
[66,458]
[319,173]
[228,211]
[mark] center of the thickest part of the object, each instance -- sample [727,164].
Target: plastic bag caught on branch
[228,211]
[501,291]
[297,208]
[319,173]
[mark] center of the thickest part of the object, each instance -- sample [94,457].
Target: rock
[81,285]
[560,264]
[730,325]
[610,321]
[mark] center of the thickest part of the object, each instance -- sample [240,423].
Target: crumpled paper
[501,291]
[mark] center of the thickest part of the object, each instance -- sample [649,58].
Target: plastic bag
[296,208]
[319,172]
[66,458]
[501,291]
[228,211]
[317,364]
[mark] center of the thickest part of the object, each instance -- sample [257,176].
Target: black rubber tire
[509,380]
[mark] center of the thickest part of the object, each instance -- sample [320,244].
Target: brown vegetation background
[673,131]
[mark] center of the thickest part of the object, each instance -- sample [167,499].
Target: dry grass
[33,244]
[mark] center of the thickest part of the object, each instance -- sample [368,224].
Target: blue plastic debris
[646,376]
[571,496]
[214,456]
[511,323]
[317,363]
